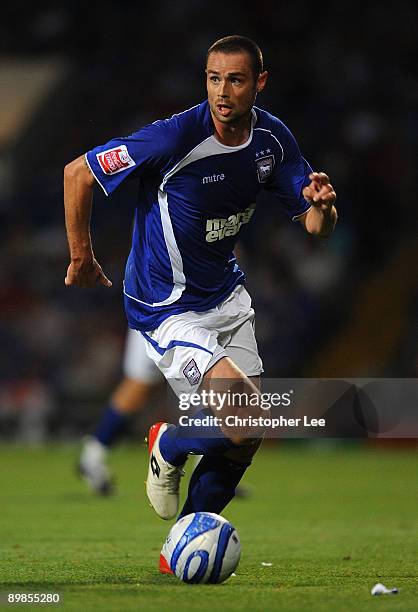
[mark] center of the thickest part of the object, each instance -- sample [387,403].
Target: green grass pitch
[331,520]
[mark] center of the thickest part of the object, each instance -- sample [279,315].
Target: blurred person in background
[140,377]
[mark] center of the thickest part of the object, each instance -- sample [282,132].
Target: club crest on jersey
[192,372]
[265,167]
[115,160]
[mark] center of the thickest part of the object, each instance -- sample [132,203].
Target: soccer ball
[202,547]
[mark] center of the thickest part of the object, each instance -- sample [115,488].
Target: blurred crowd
[343,81]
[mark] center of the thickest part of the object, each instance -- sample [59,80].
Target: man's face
[232,86]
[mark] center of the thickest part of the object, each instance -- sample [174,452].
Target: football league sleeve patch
[115,160]
[142,154]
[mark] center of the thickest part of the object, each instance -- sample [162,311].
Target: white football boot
[92,466]
[163,480]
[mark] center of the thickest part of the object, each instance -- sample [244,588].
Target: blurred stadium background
[74,74]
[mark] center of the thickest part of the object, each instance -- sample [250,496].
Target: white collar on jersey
[245,144]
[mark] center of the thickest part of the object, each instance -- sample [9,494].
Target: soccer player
[140,377]
[198,174]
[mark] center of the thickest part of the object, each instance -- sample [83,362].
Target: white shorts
[136,363]
[187,345]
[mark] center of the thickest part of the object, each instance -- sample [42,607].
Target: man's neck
[233,135]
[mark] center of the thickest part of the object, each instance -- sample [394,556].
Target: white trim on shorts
[187,345]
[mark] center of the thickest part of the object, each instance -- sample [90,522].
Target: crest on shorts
[192,372]
[265,167]
[115,160]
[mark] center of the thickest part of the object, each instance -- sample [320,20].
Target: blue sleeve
[145,153]
[291,175]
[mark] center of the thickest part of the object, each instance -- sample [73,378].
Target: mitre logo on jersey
[217,229]
[115,160]
[265,167]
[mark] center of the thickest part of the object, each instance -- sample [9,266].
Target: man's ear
[261,81]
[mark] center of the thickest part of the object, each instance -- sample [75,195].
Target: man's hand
[86,273]
[321,218]
[320,193]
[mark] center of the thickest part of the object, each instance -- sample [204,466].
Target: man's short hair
[236,44]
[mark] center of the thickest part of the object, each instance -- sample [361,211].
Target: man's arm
[321,218]
[84,270]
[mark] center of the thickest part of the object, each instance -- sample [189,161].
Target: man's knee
[244,452]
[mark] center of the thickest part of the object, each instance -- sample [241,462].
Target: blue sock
[111,424]
[178,441]
[212,485]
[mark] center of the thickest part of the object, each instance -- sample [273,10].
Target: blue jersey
[195,196]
